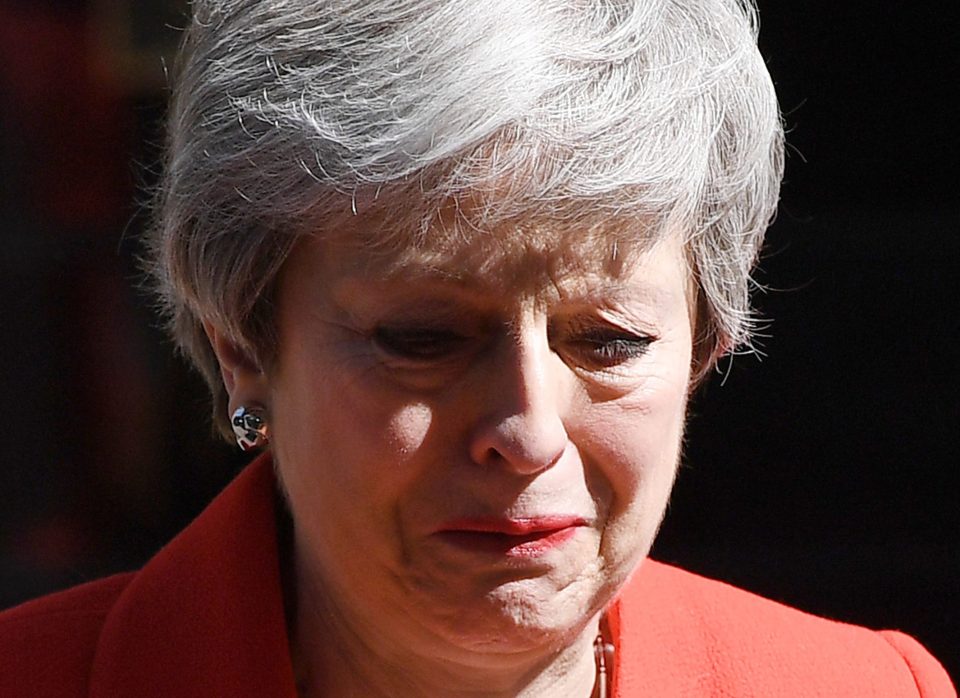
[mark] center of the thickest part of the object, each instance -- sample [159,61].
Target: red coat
[205,618]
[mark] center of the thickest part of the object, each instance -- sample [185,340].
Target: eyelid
[609,337]
[604,324]
[598,344]
[418,344]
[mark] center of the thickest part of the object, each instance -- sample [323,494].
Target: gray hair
[290,115]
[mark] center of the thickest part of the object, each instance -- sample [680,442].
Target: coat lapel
[205,616]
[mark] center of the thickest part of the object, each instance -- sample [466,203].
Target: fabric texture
[205,617]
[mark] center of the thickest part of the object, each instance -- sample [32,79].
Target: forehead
[496,272]
[521,257]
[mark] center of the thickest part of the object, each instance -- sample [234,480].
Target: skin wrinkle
[514,253]
[394,444]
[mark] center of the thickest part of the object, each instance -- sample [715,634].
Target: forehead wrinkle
[528,260]
[402,227]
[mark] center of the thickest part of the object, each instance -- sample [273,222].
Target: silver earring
[250,427]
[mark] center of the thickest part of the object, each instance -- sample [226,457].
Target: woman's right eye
[418,343]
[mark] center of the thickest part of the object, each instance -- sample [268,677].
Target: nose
[524,397]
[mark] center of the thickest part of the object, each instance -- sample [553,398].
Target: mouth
[511,537]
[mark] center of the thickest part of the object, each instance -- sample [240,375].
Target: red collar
[205,616]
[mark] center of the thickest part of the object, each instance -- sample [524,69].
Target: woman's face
[474,456]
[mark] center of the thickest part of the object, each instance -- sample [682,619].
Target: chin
[522,614]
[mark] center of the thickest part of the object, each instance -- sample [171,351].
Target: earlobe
[242,375]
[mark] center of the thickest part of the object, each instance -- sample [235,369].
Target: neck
[337,653]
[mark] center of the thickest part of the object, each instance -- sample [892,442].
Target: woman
[456,268]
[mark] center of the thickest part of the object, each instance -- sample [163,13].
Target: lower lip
[509,545]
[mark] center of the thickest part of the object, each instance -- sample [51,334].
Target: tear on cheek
[408,428]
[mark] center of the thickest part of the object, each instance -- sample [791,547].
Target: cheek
[340,445]
[636,449]
[407,428]
[348,466]
[638,454]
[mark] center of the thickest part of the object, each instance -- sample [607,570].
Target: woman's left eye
[608,348]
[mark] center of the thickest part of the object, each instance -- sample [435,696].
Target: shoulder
[734,642]
[204,616]
[47,645]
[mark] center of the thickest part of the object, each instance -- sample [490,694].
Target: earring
[250,427]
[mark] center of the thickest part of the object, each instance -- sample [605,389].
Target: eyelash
[594,347]
[608,348]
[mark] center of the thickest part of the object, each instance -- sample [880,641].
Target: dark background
[824,475]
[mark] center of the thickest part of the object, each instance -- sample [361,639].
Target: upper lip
[514,525]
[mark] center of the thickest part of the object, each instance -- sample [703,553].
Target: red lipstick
[511,537]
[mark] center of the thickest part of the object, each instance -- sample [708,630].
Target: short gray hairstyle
[288,116]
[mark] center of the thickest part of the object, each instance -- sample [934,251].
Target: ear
[242,375]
